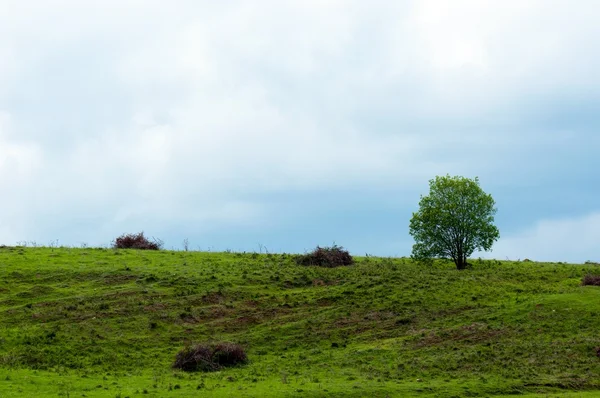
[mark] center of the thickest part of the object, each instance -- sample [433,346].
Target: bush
[209,357]
[328,257]
[591,280]
[136,241]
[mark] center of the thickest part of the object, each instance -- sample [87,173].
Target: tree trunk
[461,262]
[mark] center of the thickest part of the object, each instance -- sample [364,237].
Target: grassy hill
[107,323]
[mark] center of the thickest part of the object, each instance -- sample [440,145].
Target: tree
[453,221]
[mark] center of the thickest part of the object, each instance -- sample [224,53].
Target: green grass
[106,323]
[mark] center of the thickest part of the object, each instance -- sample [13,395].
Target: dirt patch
[453,311]
[474,333]
[118,279]
[155,307]
[189,318]
[323,302]
[217,312]
[122,293]
[362,322]
[379,315]
[213,298]
[251,303]
[46,304]
[39,317]
[320,282]
[346,321]
[245,320]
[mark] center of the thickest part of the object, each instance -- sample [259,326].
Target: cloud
[566,239]
[19,159]
[130,113]
[20,163]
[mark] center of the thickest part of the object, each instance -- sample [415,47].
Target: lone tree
[453,221]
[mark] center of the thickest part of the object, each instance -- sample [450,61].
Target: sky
[283,125]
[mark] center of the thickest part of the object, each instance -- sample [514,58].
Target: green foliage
[106,323]
[453,221]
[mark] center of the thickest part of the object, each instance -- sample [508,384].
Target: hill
[108,323]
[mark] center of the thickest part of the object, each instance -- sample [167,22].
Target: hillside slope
[100,322]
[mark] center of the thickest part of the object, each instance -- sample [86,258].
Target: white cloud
[19,160]
[567,239]
[198,107]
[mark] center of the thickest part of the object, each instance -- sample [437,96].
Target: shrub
[229,354]
[591,280]
[137,241]
[329,257]
[209,357]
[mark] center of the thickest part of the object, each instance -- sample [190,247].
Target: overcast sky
[289,124]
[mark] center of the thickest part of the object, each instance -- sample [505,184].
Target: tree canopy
[454,220]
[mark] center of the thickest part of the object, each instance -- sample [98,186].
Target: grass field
[107,323]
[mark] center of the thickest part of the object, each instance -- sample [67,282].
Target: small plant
[209,357]
[329,257]
[591,280]
[137,241]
